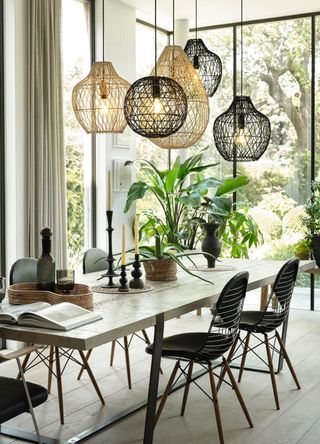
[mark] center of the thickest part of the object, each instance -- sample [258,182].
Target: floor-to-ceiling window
[76,65]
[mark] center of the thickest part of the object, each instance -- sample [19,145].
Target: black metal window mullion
[312,131]
[235,80]
[93,191]
[2,151]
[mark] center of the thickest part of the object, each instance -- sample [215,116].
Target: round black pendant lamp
[241,133]
[155,106]
[207,64]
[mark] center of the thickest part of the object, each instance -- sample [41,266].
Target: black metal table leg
[154,380]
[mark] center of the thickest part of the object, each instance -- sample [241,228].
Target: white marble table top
[126,313]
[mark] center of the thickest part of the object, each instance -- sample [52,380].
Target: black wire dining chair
[204,347]
[256,323]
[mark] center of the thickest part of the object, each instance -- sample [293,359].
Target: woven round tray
[27,293]
[101,289]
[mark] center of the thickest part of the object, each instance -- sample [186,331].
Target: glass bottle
[46,263]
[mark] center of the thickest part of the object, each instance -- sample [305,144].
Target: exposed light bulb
[239,137]
[104,101]
[157,106]
[104,105]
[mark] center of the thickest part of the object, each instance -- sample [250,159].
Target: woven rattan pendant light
[241,133]
[207,64]
[174,63]
[155,106]
[98,99]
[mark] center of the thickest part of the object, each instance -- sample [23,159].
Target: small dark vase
[316,248]
[211,243]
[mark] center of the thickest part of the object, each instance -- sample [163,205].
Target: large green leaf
[232,185]
[191,200]
[172,176]
[136,191]
[203,185]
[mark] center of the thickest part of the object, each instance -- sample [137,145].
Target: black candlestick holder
[136,273]
[110,259]
[123,279]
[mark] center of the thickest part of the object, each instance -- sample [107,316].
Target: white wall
[15,54]
[120,48]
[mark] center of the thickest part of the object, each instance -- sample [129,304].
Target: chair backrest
[23,270]
[224,326]
[277,308]
[94,259]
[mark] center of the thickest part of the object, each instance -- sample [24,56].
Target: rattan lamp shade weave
[98,100]
[241,133]
[207,63]
[155,106]
[174,63]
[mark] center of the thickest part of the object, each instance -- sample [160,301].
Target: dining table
[125,313]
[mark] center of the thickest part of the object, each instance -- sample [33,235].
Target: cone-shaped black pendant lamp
[155,106]
[241,133]
[207,64]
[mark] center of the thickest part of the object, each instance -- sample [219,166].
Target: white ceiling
[213,12]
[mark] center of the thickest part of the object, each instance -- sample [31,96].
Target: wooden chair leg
[82,368]
[271,371]
[216,404]
[59,384]
[126,352]
[50,368]
[186,389]
[244,356]
[236,389]
[166,392]
[93,380]
[198,311]
[113,346]
[229,359]
[286,357]
[24,364]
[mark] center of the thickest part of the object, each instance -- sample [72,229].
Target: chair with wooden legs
[93,260]
[267,321]
[25,270]
[19,396]
[204,347]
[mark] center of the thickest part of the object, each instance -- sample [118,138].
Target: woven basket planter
[160,270]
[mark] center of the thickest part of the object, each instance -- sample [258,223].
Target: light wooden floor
[298,421]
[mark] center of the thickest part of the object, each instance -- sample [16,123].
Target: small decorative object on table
[136,273]
[123,274]
[65,280]
[123,279]
[110,272]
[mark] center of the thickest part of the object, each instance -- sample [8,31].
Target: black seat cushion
[13,400]
[252,321]
[190,345]
[184,345]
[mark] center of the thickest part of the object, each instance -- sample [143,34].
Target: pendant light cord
[196,16]
[173,20]
[103,30]
[241,43]
[155,37]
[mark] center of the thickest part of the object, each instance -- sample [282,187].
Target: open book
[63,316]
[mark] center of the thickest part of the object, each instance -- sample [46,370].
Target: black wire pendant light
[207,64]
[241,133]
[155,106]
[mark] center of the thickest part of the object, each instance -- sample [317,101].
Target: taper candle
[136,235]
[109,201]
[123,255]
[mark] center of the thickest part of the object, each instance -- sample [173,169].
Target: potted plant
[179,200]
[312,220]
[301,249]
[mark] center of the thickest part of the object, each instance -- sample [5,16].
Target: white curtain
[46,196]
